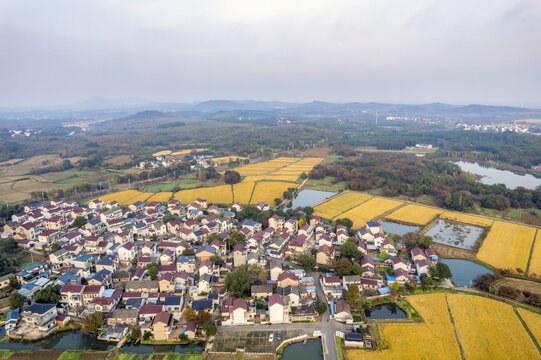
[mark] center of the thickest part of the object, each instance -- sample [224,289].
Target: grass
[5,353]
[507,246]
[328,183]
[339,348]
[70,355]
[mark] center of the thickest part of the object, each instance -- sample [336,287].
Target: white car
[271,337]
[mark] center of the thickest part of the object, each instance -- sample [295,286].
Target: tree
[440,271]
[426,283]
[16,300]
[213,237]
[189,314]
[202,317]
[342,267]
[14,283]
[210,328]
[239,283]
[79,221]
[306,261]
[93,322]
[231,177]
[383,255]
[55,247]
[321,307]
[345,221]
[356,269]
[302,220]
[395,287]
[424,241]
[277,201]
[168,218]
[147,336]
[188,252]
[508,291]
[484,281]
[350,250]
[352,295]
[183,337]
[136,333]
[216,260]
[152,271]
[234,238]
[49,295]
[308,210]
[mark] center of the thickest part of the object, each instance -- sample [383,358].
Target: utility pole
[376,114]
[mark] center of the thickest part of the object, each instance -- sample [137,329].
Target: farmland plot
[338,204]
[369,210]
[216,195]
[160,197]
[466,218]
[415,214]
[507,246]
[267,191]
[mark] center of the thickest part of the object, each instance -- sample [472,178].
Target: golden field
[533,322]
[486,329]
[187,151]
[216,194]
[490,329]
[225,159]
[535,261]
[265,167]
[338,204]
[161,197]
[415,214]
[369,210]
[162,153]
[507,246]
[466,218]
[433,339]
[271,177]
[125,197]
[267,191]
[243,191]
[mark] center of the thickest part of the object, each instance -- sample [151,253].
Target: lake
[300,351]
[491,176]
[398,229]
[310,198]
[464,271]
[385,311]
[458,235]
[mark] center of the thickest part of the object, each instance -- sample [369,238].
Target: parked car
[279,336]
[271,337]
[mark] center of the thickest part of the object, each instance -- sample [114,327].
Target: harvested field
[119,159]
[369,210]
[531,286]
[507,246]
[338,204]
[37,355]
[162,153]
[317,152]
[414,214]
[466,218]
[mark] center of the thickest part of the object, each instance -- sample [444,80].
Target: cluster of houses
[104,266]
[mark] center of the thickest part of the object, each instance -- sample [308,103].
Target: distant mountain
[97,102]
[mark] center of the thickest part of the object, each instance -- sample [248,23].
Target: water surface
[300,351]
[63,340]
[453,234]
[398,229]
[464,271]
[385,311]
[491,176]
[310,197]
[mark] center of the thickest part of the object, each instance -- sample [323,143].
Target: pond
[300,351]
[491,176]
[77,340]
[63,340]
[385,311]
[310,197]
[458,235]
[398,229]
[464,271]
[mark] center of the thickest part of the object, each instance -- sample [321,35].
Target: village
[159,271]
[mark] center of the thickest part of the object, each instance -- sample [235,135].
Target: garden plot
[251,341]
[457,235]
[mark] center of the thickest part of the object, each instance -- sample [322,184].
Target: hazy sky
[459,51]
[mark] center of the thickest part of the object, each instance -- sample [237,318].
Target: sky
[422,51]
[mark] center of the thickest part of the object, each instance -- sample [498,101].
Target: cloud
[58,52]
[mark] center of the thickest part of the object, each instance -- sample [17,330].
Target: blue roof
[351,336]
[34,266]
[184,258]
[372,223]
[250,223]
[38,308]
[202,305]
[85,257]
[194,211]
[68,277]
[384,290]
[391,278]
[206,248]
[12,315]
[101,275]
[138,203]
[135,302]
[229,213]
[172,300]
[198,233]
[95,222]
[212,296]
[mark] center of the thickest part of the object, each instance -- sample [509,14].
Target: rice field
[533,322]
[186,151]
[338,204]
[433,339]
[265,167]
[243,191]
[415,214]
[225,159]
[216,194]
[369,210]
[535,261]
[490,329]
[125,197]
[507,246]
[162,153]
[267,191]
[272,177]
[161,197]
[466,218]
